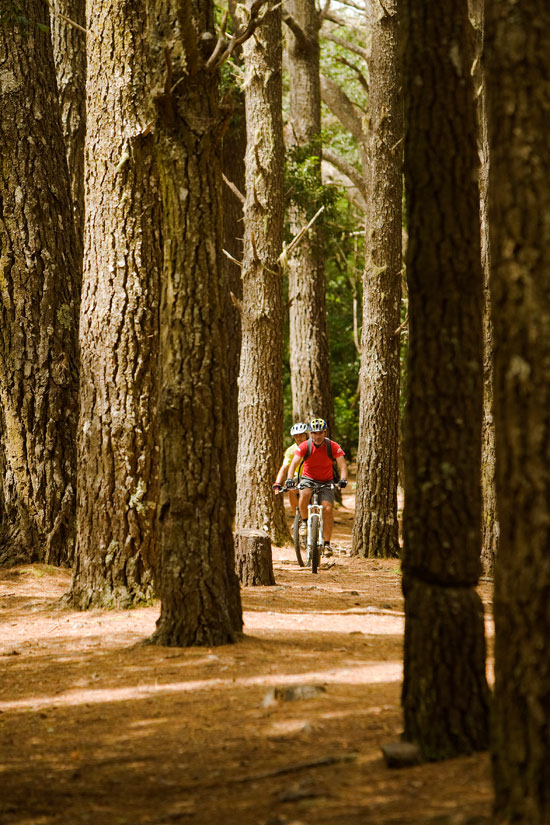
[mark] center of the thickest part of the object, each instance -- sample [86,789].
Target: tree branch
[254,20]
[351,47]
[348,169]
[360,76]
[296,30]
[340,105]
[238,194]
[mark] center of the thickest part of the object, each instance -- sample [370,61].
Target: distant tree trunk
[69,48]
[197,583]
[260,381]
[234,149]
[117,455]
[445,693]
[375,531]
[38,308]
[489,518]
[518,106]
[309,352]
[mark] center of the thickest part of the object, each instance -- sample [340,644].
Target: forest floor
[96,727]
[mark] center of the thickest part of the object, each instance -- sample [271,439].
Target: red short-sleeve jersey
[318,466]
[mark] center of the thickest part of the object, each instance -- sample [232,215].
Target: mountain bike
[315,540]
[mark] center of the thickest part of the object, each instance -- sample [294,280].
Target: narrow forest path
[96,727]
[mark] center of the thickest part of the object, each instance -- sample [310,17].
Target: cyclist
[317,468]
[299,433]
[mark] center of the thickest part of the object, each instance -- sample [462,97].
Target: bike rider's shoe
[302,529]
[327,550]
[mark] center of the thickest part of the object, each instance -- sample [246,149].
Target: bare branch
[340,104]
[283,257]
[64,17]
[296,29]
[348,169]
[346,44]
[360,76]
[221,42]
[238,194]
[236,40]
[231,258]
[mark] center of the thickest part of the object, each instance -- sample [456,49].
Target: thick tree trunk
[375,531]
[309,352]
[518,106]
[441,559]
[69,49]
[38,307]
[197,582]
[260,381]
[117,454]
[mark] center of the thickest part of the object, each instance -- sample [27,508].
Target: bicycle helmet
[298,428]
[317,425]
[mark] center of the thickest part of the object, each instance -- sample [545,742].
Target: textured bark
[117,441]
[375,531]
[197,583]
[234,149]
[441,559]
[253,559]
[38,308]
[260,380]
[69,49]
[489,518]
[308,340]
[518,104]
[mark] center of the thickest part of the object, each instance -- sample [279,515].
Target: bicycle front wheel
[297,538]
[313,539]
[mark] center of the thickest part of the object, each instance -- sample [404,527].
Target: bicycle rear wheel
[297,538]
[314,542]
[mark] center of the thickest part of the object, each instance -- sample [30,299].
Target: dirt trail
[97,728]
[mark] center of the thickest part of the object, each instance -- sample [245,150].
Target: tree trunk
[441,559]
[234,150]
[69,49]
[260,381]
[117,455]
[38,307]
[253,559]
[518,106]
[309,351]
[197,582]
[375,531]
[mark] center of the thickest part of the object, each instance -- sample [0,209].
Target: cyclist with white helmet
[316,455]
[299,433]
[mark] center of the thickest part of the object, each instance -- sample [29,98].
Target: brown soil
[96,727]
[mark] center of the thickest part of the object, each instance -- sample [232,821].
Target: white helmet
[298,428]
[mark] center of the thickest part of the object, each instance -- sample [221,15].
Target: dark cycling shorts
[326,494]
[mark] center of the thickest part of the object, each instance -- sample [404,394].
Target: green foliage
[303,184]
[12,14]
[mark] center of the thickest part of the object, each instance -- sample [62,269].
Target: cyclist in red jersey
[317,467]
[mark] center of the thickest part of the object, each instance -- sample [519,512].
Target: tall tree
[309,354]
[260,381]
[375,531]
[518,107]
[445,693]
[117,440]
[38,308]
[67,22]
[197,582]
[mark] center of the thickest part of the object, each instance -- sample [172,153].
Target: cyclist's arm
[342,467]
[281,475]
[293,465]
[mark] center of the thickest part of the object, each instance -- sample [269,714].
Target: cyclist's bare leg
[305,498]
[328,520]
[293,500]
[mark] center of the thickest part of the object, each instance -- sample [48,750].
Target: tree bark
[69,49]
[375,531]
[441,557]
[308,340]
[197,583]
[234,150]
[38,307]
[117,440]
[253,559]
[518,106]
[260,380]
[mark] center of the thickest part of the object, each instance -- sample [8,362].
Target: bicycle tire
[297,538]
[314,542]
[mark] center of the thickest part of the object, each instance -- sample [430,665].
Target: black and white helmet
[298,428]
